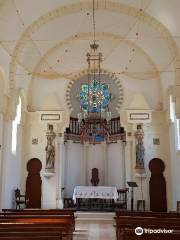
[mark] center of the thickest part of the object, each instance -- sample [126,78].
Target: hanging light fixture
[95,97]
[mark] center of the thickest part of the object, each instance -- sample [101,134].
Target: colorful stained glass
[99,96]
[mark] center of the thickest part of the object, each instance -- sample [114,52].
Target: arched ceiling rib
[117,41]
[125,17]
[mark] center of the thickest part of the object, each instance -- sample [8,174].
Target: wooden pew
[147,213]
[68,211]
[61,229]
[127,222]
[31,234]
[37,224]
[130,235]
[40,212]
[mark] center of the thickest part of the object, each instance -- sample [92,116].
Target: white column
[19,160]
[105,158]
[22,153]
[1,156]
[129,166]
[59,201]
[49,178]
[62,168]
[86,160]
[65,168]
[123,146]
[129,160]
[8,175]
[133,151]
[84,165]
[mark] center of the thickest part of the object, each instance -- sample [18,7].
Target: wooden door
[157,186]
[33,183]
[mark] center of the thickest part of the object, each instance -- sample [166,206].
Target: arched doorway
[33,183]
[157,186]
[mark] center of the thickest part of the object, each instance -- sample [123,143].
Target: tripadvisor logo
[139,231]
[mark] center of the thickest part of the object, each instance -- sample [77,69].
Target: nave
[68,224]
[89,118]
[94,226]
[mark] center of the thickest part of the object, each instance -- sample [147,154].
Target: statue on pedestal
[50,148]
[140,150]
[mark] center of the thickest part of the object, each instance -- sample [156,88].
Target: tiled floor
[94,230]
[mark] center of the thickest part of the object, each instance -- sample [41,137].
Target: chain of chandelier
[94,97]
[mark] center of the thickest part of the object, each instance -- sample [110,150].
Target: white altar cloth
[102,192]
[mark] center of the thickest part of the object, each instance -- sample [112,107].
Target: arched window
[178,133]
[175,121]
[15,123]
[172,109]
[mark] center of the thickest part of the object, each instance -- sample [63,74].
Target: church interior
[89,119]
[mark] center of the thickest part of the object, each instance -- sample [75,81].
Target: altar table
[101,192]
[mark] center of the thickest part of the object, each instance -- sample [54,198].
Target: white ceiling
[59,45]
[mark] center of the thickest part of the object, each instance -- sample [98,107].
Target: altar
[99,192]
[97,198]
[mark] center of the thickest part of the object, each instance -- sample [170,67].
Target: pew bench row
[37,224]
[127,222]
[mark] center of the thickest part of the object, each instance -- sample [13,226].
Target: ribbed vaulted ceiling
[50,38]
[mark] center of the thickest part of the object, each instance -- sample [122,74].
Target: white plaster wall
[53,92]
[11,167]
[62,167]
[48,192]
[176,180]
[1,155]
[96,160]
[10,164]
[80,159]
[48,94]
[51,186]
[34,129]
[146,87]
[115,165]
[167,80]
[74,171]
[8,167]
[175,166]
[157,129]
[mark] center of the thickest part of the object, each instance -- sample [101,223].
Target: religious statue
[50,148]
[140,150]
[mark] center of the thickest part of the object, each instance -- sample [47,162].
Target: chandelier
[95,97]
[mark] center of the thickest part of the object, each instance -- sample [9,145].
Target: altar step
[105,217]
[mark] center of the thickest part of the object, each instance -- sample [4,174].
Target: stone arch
[84,72]
[102,5]
[82,35]
[72,76]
